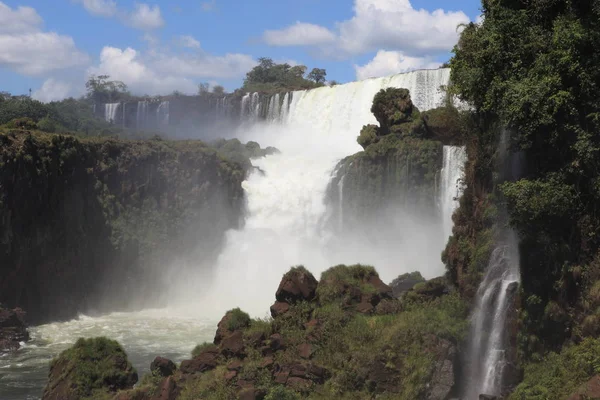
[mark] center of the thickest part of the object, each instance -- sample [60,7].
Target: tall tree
[318,75]
[102,90]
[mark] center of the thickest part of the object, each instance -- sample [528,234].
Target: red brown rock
[168,390]
[205,361]
[297,285]
[230,375]
[163,366]
[589,390]
[279,308]
[233,345]
[235,365]
[305,350]
[267,362]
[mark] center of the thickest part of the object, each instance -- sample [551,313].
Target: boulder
[205,361]
[13,329]
[589,390]
[405,282]
[163,367]
[442,382]
[296,285]
[92,366]
[233,345]
[279,308]
[232,321]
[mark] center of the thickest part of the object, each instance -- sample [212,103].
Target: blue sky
[52,46]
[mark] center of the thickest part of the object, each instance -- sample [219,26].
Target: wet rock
[163,367]
[279,308]
[405,282]
[13,329]
[297,285]
[205,361]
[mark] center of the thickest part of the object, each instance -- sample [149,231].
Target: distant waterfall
[488,363]
[162,113]
[141,115]
[110,112]
[454,158]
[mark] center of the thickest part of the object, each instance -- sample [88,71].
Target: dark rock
[442,382]
[382,377]
[255,339]
[305,350]
[251,394]
[365,308]
[383,290]
[318,374]
[235,317]
[405,282]
[205,361]
[13,329]
[488,397]
[163,366]
[233,345]
[276,342]
[281,376]
[279,308]
[297,285]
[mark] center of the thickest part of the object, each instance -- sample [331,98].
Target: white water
[488,338]
[144,335]
[450,184]
[141,115]
[162,113]
[286,205]
[110,112]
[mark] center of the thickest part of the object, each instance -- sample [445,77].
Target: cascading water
[162,113]
[488,362]
[454,158]
[286,203]
[110,112]
[141,115]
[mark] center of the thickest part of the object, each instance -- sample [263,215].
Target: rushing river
[144,335]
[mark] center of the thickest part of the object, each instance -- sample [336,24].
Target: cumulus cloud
[143,16]
[392,62]
[188,41]
[161,73]
[379,24]
[104,8]
[146,17]
[28,50]
[52,90]
[300,34]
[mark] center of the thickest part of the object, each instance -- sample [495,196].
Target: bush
[282,393]
[237,319]
[202,348]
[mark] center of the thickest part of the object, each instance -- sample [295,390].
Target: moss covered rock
[92,368]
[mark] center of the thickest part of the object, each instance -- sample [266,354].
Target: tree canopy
[270,76]
[102,90]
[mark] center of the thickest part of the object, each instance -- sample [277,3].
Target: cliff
[85,220]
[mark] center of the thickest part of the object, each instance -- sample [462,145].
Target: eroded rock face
[13,329]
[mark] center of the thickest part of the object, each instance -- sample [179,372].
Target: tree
[102,90]
[318,75]
[219,90]
[298,71]
[203,88]
[333,83]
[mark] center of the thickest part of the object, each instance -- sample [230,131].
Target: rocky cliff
[83,220]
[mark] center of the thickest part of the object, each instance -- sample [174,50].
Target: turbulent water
[144,335]
[286,225]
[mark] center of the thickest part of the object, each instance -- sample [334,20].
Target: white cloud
[162,73]
[19,20]
[52,90]
[104,8]
[300,34]
[188,41]
[392,62]
[26,49]
[379,24]
[146,17]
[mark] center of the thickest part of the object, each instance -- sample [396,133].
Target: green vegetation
[281,393]
[238,319]
[557,376]
[90,369]
[269,77]
[202,348]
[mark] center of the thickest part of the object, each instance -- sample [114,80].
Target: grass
[202,348]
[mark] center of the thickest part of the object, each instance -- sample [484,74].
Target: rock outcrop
[405,282]
[92,367]
[13,329]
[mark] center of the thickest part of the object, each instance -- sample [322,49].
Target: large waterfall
[110,112]
[286,201]
[450,184]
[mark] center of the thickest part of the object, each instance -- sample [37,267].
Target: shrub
[237,319]
[282,393]
[202,348]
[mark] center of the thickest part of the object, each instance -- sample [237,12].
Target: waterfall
[254,107]
[110,112]
[141,115]
[285,107]
[286,203]
[162,113]
[488,362]
[245,106]
[454,158]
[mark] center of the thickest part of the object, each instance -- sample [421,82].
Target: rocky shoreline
[13,329]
